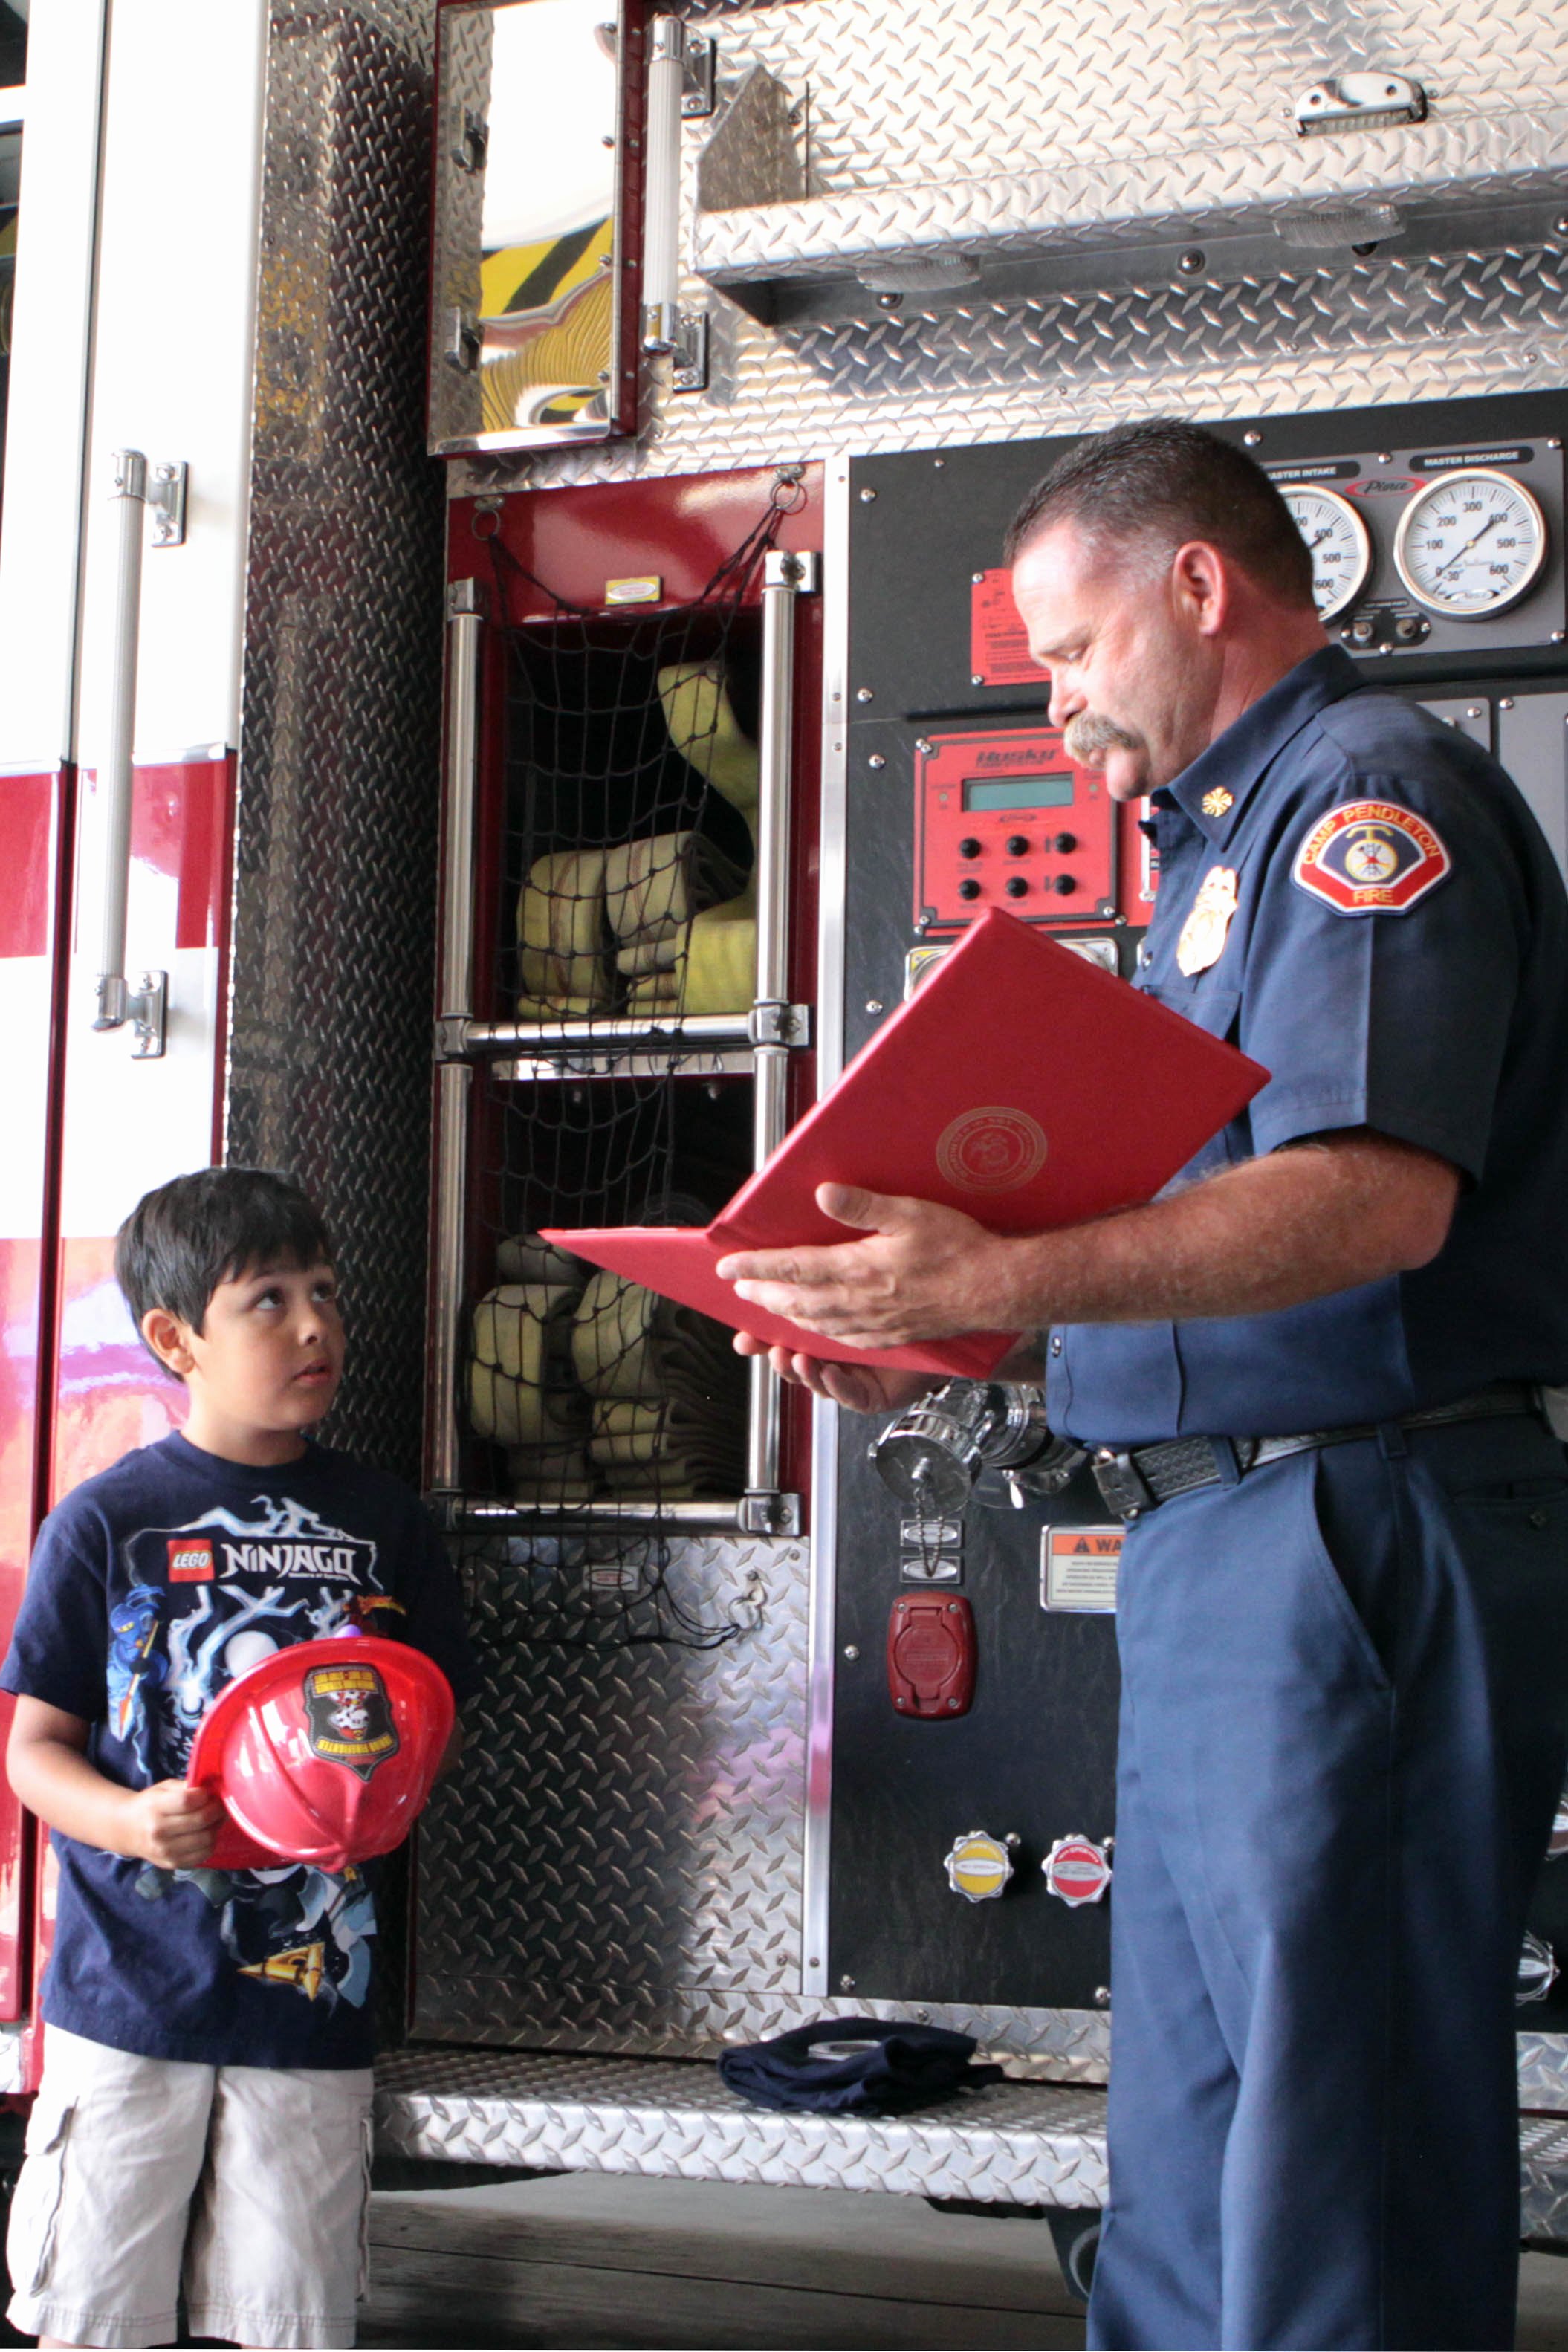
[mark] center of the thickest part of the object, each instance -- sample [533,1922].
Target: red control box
[1006,819]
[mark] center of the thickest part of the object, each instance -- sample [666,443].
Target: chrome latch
[766,1512]
[773,1023]
[145,1006]
[167,499]
[791,567]
[1359,102]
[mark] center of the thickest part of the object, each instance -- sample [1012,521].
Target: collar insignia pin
[1202,938]
[1218,803]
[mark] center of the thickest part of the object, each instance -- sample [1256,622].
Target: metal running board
[1009,2143]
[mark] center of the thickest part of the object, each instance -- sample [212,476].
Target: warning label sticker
[998,642]
[1077,1569]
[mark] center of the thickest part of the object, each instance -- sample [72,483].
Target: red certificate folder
[1020,1084]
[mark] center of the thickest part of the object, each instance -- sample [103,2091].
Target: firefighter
[1309,1373]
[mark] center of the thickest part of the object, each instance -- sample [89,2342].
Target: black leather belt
[1136,1478]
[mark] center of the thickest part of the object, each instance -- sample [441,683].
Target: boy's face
[266,1364]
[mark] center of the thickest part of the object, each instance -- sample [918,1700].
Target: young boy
[205,2112]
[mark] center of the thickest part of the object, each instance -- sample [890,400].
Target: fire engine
[507,682]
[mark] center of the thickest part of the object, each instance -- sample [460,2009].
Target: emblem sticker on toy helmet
[1371,858]
[350,1717]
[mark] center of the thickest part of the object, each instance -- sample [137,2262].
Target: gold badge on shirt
[1202,938]
[1219,802]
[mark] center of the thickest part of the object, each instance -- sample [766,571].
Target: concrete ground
[595,2259]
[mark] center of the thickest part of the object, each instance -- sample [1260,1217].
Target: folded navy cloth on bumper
[855,2065]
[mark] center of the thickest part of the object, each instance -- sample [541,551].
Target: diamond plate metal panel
[963,93]
[629,1825]
[466,43]
[1011,2143]
[1544,2151]
[1543,2069]
[960,95]
[328,1032]
[1048,2045]
[618,1865]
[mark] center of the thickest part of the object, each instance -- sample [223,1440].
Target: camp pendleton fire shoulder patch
[1371,858]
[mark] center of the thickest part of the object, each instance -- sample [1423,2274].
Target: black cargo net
[627,892]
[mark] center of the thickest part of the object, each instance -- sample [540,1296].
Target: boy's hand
[170,1825]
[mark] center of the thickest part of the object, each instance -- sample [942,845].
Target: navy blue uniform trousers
[1343,1726]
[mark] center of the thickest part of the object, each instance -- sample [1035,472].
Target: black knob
[1018,845]
[1064,885]
[1017,887]
[969,888]
[1065,842]
[970,848]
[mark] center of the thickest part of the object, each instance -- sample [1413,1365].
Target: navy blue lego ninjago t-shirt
[151,1586]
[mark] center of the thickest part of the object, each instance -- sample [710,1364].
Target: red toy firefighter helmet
[324,1752]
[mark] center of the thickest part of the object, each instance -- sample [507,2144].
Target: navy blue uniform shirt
[1398,960]
[151,1586]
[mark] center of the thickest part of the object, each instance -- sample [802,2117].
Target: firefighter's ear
[168,1340]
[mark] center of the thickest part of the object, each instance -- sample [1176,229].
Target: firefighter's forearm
[1324,1216]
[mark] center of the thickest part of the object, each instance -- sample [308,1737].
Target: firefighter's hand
[921,1272]
[171,1825]
[863,1388]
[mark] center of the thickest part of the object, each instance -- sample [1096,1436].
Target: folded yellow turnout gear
[653,888]
[550,1474]
[562,947]
[704,730]
[520,1390]
[701,1446]
[628,1343]
[529,1257]
[712,967]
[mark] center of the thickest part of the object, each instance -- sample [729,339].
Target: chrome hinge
[699,65]
[773,1023]
[462,343]
[766,1512]
[689,352]
[451,1036]
[473,142]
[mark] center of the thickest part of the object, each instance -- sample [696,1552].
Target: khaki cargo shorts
[249,2187]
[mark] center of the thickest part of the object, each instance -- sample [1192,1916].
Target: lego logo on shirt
[190,1561]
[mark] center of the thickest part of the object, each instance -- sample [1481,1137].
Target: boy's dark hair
[181,1240]
[1158,483]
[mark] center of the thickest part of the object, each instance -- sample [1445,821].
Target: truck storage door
[132,331]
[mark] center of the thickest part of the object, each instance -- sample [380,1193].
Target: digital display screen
[981,792]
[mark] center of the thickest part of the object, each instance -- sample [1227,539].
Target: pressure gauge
[1471,545]
[1339,543]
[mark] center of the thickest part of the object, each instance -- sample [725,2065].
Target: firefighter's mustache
[1088,735]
